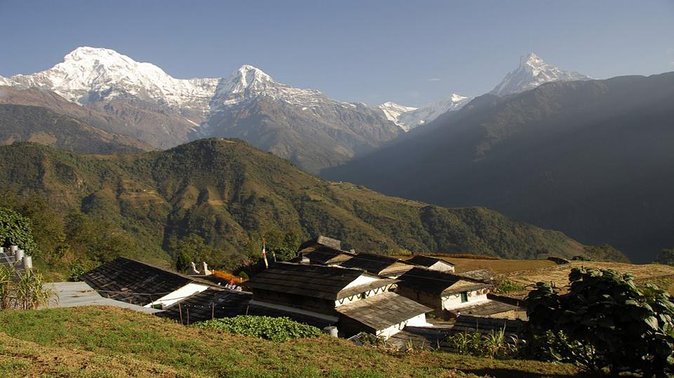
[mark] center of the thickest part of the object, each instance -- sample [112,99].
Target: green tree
[605,323]
[16,229]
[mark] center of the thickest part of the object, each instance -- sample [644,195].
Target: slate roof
[382,311]
[211,303]
[436,282]
[488,308]
[426,261]
[319,241]
[315,281]
[375,264]
[326,255]
[134,282]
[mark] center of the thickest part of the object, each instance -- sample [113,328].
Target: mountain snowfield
[90,74]
[531,73]
[409,117]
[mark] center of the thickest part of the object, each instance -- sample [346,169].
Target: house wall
[178,295]
[361,280]
[453,301]
[363,295]
[431,300]
[417,321]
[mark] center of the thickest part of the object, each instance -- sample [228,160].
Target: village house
[442,291]
[379,265]
[431,263]
[352,299]
[132,281]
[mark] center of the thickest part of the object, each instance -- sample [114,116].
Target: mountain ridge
[226,191]
[591,158]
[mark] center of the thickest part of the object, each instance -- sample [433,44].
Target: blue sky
[411,52]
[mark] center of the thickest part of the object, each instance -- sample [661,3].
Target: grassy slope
[98,341]
[227,190]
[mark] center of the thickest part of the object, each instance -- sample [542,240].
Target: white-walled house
[442,291]
[354,300]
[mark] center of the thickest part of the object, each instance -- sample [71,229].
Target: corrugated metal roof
[133,281]
[74,294]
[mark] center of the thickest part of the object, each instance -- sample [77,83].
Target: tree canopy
[15,229]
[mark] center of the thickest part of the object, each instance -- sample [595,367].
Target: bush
[604,323]
[494,344]
[265,327]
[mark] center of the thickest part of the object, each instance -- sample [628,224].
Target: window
[464,297]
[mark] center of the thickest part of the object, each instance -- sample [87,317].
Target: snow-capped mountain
[89,74]
[141,100]
[531,73]
[408,117]
[393,111]
[249,82]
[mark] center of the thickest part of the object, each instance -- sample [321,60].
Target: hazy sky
[411,52]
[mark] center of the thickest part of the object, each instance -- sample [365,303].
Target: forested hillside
[216,199]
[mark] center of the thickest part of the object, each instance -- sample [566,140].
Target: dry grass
[558,275]
[98,341]
[496,266]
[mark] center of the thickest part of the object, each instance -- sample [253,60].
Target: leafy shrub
[604,323]
[505,286]
[265,327]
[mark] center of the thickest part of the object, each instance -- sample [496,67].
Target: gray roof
[426,261]
[383,310]
[488,308]
[326,255]
[75,294]
[319,241]
[315,281]
[375,264]
[436,282]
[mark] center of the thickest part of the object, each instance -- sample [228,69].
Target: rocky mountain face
[594,159]
[142,101]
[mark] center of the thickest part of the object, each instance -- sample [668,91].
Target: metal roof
[75,294]
[209,304]
[133,281]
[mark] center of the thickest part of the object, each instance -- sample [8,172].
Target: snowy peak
[393,111]
[531,73]
[408,118]
[89,74]
[249,82]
